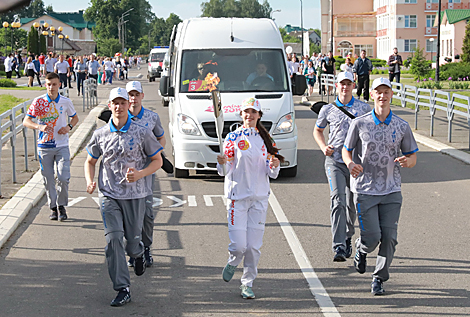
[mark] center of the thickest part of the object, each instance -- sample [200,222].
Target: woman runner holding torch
[250,158]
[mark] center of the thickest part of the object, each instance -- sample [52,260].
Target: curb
[436,145]
[16,209]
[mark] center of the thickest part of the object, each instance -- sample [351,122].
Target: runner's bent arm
[320,139]
[90,164]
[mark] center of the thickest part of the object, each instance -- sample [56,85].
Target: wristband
[70,126]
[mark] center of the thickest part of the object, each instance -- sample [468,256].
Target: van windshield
[157,57]
[239,70]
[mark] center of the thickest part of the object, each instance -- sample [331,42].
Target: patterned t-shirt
[52,113]
[151,120]
[128,147]
[377,145]
[339,122]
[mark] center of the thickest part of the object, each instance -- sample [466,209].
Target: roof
[216,33]
[74,19]
[454,15]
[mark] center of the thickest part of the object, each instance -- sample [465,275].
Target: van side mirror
[165,89]
[299,85]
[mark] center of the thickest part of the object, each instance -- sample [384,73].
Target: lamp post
[272,13]
[438,49]
[302,28]
[121,23]
[14,25]
[5,26]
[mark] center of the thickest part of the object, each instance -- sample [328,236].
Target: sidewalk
[458,148]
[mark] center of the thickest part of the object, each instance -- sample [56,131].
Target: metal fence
[11,125]
[328,80]
[90,93]
[419,97]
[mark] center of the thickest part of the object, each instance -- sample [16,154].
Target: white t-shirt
[62,67]
[7,64]
[53,113]
[108,65]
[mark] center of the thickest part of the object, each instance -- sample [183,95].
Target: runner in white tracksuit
[248,165]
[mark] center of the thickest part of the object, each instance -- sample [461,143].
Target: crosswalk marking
[208,199]
[192,201]
[75,201]
[178,202]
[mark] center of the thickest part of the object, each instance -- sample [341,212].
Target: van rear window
[157,57]
[241,70]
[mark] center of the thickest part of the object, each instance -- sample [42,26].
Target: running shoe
[62,213]
[340,255]
[139,265]
[376,287]
[227,272]
[348,248]
[54,214]
[247,292]
[122,298]
[360,262]
[148,257]
[131,262]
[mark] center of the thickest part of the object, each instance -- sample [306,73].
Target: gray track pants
[343,213]
[147,229]
[378,220]
[61,157]
[122,218]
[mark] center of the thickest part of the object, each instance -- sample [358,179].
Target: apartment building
[453,25]
[405,24]
[354,27]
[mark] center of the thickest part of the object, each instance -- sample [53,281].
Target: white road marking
[178,202]
[97,200]
[157,202]
[192,201]
[316,287]
[75,201]
[208,199]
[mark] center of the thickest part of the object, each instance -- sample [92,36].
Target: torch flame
[212,80]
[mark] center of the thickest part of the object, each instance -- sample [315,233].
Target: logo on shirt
[243,145]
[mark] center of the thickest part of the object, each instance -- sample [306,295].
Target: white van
[155,62]
[248,57]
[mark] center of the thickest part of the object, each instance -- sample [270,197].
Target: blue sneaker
[376,287]
[227,272]
[360,262]
[122,298]
[247,292]
[340,255]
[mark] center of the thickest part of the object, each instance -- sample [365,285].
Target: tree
[420,67]
[33,40]
[236,9]
[105,13]
[286,38]
[466,45]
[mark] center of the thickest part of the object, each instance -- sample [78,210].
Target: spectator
[394,63]
[80,70]
[42,64]
[347,66]
[329,68]
[8,62]
[37,65]
[62,68]
[30,70]
[311,75]
[362,69]
[49,64]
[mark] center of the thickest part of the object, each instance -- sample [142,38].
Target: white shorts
[42,66]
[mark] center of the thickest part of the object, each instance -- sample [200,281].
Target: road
[58,269]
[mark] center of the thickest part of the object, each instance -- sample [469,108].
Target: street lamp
[14,25]
[272,13]
[121,23]
[5,26]
[61,36]
[302,28]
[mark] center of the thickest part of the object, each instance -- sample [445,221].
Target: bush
[7,83]
[454,70]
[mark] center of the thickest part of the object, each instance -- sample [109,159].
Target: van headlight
[186,125]
[285,125]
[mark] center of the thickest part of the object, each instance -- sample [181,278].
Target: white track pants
[246,221]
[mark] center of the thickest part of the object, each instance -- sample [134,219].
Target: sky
[290,10]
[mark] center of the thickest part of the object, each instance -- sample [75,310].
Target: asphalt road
[58,269]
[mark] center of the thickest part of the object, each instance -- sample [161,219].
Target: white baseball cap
[251,103]
[134,85]
[381,81]
[118,93]
[344,75]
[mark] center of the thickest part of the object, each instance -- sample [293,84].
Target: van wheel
[180,173]
[289,172]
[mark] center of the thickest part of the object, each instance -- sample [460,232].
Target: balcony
[430,31]
[382,10]
[381,33]
[354,34]
[445,6]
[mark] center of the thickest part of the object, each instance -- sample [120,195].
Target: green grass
[23,88]
[8,101]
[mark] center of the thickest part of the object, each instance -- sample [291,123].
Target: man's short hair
[363,51]
[51,76]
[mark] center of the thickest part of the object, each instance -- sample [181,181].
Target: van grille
[209,127]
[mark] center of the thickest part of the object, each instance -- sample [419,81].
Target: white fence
[419,97]
[11,126]
[328,80]
[90,93]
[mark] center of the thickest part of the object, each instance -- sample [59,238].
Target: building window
[430,20]
[454,1]
[431,46]
[432,1]
[410,1]
[410,45]
[367,47]
[410,21]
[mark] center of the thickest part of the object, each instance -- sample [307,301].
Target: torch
[212,81]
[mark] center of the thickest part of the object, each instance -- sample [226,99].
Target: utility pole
[331,27]
[121,26]
[438,53]
[302,29]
